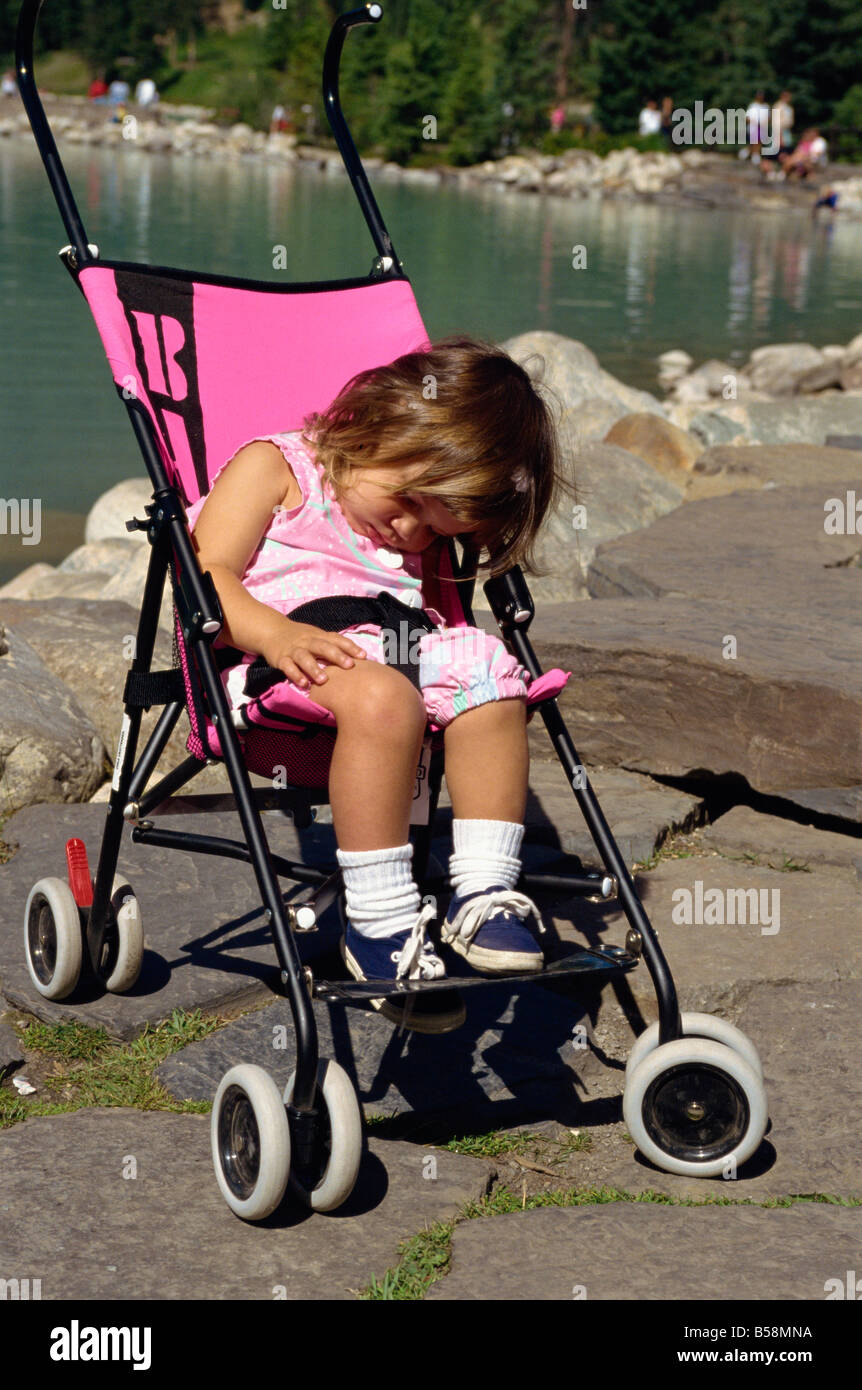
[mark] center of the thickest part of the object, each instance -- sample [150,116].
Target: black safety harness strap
[344,610]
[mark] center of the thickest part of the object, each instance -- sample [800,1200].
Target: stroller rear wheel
[331,1177]
[53,938]
[695,1107]
[698,1026]
[250,1142]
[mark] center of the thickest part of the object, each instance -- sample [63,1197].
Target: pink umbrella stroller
[694,1099]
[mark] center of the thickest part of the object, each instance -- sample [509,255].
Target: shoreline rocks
[691,177]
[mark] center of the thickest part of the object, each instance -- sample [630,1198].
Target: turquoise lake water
[717,283]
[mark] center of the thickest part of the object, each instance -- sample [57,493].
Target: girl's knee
[377,696]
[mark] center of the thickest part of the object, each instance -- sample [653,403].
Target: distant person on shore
[8,85]
[278,122]
[666,122]
[811,153]
[757,116]
[649,120]
[118,92]
[146,92]
[98,90]
[782,123]
[558,118]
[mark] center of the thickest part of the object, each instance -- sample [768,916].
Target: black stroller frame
[199,613]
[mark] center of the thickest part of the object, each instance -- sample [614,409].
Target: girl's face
[407,521]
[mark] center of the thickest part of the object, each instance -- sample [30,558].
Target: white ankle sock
[381,896]
[485,852]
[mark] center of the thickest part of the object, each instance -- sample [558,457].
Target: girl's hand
[302,652]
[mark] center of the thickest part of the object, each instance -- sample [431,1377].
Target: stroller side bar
[513,608]
[80,248]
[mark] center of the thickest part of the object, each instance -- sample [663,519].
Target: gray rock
[154,1230]
[625,1251]
[89,644]
[618,491]
[712,375]
[820,378]
[716,964]
[109,513]
[732,467]
[109,557]
[655,694]
[778,368]
[803,420]
[771,598]
[774,840]
[11,1051]
[513,1052]
[713,427]
[49,749]
[843,802]
[573,373]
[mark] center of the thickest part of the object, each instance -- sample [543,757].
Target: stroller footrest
[585,961]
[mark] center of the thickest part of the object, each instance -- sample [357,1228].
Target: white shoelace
[417,959]
[472,915]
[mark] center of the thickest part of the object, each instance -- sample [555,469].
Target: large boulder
[666,447]
[800,420]
[777,368]
[572,374]
[88,645]
[49,749]
[744,665]
[109,513]
[616,492]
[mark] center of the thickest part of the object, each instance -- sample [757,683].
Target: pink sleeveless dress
[310,551]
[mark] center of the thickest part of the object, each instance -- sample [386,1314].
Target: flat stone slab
[511,1050]
[168,1234]
[750,642]
[729,468]
[714,963]
[845,803]
[206,943]
[623,1250]
[774,840]
[656,694]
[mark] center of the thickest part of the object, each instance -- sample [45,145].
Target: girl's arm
[228,531]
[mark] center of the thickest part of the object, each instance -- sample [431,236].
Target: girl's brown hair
[471,415]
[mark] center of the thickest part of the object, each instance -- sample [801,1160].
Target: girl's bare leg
[381,719]
[487,762]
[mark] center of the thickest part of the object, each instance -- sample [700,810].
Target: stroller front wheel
[127,947]
[698,1026]
[250,1142]
[53,938]
[331,1178]
[695,1107]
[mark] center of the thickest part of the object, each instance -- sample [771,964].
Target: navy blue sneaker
[405,955]
[490,931]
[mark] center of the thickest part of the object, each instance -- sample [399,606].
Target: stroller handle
[81,254]
[370,13]
[44,138]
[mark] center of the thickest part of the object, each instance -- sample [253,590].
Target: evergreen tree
[647,50]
